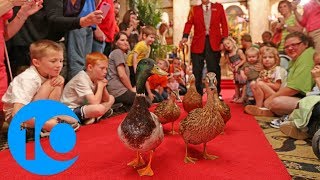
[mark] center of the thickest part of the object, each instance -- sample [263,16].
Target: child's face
[268,60]
[162,65]
[252,58]
[228,45]
[316,59]
[49,65]
[150,39]
[176,63]
[99,70]
[266,37]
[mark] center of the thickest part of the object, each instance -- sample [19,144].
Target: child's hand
[102,83]
[258,67]
[236,68]
[57,81]
[134,89]
[315,72]
[151,96]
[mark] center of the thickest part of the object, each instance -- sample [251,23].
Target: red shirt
[156,80]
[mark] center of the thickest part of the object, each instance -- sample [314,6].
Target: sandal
[239,101]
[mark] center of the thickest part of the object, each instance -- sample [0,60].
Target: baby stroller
[314,129]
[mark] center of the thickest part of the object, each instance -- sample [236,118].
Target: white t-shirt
[22,89]
[76,89]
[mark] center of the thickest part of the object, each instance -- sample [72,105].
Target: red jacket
[218,27]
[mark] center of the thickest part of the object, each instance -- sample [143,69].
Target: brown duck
[203,124]
[192,99]
[168,111]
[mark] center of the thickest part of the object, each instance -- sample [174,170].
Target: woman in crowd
[129,25]
[286,24]
[118,73]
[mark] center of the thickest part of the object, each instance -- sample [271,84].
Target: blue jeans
[98,46]
[79,44]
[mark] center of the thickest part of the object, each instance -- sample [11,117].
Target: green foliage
[149,12]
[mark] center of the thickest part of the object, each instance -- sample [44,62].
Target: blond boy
[157,84]
[141,50]
[40,81]
[86,93]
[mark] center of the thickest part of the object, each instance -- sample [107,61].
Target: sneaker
[74,125]
[220,97]
[89,121]
[258,111]
[290,129]
[44,133]
[278,121]
[106,115]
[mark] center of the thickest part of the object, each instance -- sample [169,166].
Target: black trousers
[212,59]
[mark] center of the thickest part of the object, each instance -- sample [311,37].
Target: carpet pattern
[297,155]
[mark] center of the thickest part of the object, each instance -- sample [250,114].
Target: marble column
[180,14]
[258,16]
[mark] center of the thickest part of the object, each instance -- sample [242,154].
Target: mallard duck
[192,99]
[203,124]
[168,111]
[141,130]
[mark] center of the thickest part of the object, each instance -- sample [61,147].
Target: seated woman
[118,72]
[302,124]
[271,78]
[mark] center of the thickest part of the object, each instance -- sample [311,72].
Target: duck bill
[157,70]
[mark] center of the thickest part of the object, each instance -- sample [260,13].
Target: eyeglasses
[293,45]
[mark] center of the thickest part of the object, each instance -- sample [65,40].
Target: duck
[168,111]
[192,99]
[223,108]
[203,124]
[141,130]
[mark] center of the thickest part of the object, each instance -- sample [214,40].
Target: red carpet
[244,153]
[227,84]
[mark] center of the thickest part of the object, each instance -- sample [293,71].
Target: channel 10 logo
[62,137]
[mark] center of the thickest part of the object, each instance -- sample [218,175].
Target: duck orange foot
[189,159]
[147,171]
[209,157]
[137,162]
[173,132]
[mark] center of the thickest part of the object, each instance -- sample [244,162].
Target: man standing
[210,27]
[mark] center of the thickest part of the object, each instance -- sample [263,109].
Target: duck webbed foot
[188,159]
[206,155]
[137,162]
[173,132]
[147,171]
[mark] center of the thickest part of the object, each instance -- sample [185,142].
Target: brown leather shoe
[290,129]
[258,111]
